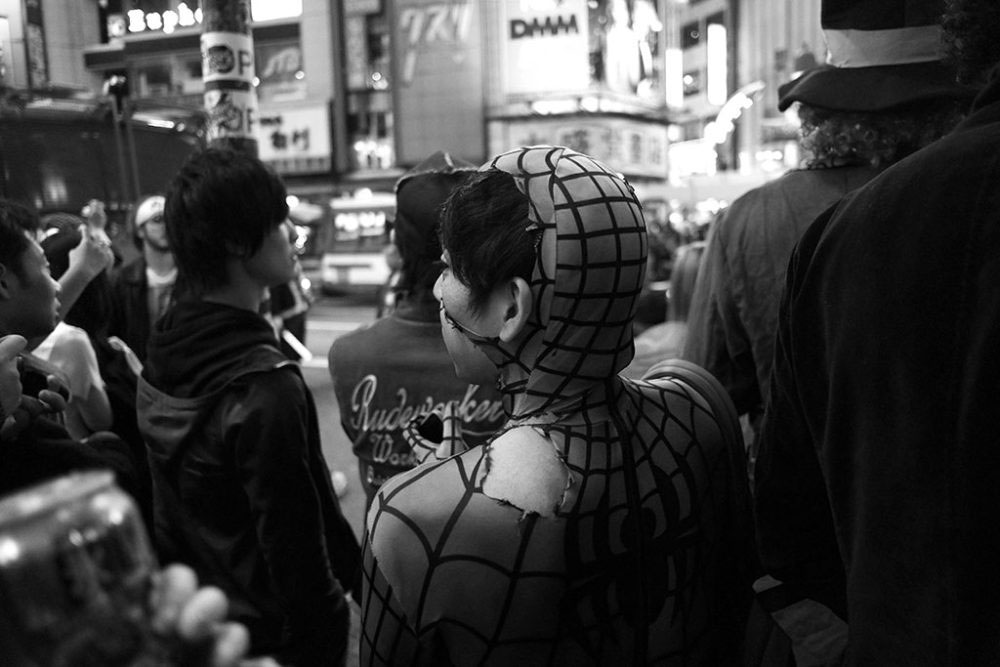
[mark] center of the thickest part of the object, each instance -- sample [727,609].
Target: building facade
[353,92]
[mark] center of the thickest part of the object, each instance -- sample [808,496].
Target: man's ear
[519,304]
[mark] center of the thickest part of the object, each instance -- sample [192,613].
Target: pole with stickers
[227,65]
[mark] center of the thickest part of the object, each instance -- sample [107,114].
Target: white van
[354,246]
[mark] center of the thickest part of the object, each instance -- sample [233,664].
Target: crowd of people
[794,469]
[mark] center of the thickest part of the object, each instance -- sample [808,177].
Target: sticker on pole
[231,113]
[226,56]
[228,72]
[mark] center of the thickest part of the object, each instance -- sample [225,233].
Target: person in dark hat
[884,93]
[876,481]
[397,370]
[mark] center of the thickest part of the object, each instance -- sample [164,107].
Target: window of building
[367,52]
[153,80]
[690,34]
[367,73]
[369,130]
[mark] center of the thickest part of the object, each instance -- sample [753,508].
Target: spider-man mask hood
[588,274]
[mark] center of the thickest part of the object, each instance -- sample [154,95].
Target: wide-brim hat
[881,54]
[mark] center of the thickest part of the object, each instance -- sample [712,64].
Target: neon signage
[168,21]
[139,20]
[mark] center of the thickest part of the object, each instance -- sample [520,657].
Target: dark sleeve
[270,438]
[116,311]
[794,522]
[716,339]
[44,450]
[340,393]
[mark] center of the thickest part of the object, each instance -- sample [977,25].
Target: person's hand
[92,254]
[49,401]
[196,618]
[10,377]
[93,212]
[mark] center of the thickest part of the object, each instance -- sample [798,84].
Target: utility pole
[228,72]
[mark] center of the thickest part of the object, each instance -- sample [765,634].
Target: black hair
[221,202]
[17,224]
[972,37]
[484,229]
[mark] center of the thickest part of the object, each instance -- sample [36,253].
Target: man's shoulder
[389,342]
[430,494]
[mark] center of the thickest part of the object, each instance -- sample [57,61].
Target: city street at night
[664,331]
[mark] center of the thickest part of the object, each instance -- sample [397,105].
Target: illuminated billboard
[634,147]
[438,79]
[546,46]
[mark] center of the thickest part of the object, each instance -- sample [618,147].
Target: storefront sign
[635,148]
[280,74]
[298,134]
[140,20]
[546,46]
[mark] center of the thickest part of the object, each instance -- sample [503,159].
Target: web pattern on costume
[637,560]
[587,279]
[686,512]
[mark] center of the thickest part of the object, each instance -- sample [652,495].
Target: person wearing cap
[142,288]
[883,94]
[397,369]
[877,473]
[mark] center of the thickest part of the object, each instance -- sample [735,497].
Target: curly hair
[972,37]
[879,139]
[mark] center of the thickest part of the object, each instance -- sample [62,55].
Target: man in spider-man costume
[606,522]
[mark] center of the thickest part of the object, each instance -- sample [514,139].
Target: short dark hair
[220,200]
[17,222]
[484,229]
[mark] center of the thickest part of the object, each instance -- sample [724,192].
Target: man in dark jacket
[242,492]
[34,443]
[142,288]
[398,370]
[856,121]
[879,455]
